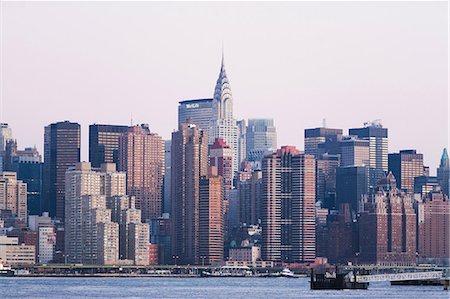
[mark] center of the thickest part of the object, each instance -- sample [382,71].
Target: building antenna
[131,120]
[324,123]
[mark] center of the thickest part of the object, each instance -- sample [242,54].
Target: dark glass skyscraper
[61,151]
[405,166]
[104,143]
[351,183]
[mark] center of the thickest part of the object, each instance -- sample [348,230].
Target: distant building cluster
[220,192]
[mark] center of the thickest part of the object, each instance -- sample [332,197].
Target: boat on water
[5,270]
[286,272]
[229,271]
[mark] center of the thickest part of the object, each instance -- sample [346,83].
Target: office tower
[387,226]
[224,125]
[261,138]
[5,135]
[221,157]
[434,229]
[242,141]
[249,184]
[288,206]
[443,173]
[61,151]
[322,140]
[200,112]
[90,235]
[378,143]
[354,151]
[13,195]
[211,219]
[141,155]
[189,163]
[326,166]
[167,175]
[352,183]
[425,184]
[104,143]
[405,166]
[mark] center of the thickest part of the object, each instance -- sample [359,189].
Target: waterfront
[44,287]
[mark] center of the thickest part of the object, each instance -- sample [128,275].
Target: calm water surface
[198,288]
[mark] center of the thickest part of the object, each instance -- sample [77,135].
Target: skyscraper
[378,153]
[354,151]
[242,141]
[5,135]
[61,151]
[211,219]
[223,124]
[352,183]
[104,143]
[221,157]
[141,155]
[189,163]
[261,137]
[248,185]
[199,111]
[322,140]
[326,167]
[167,175]
[443,173]
[288,206]
[405,166]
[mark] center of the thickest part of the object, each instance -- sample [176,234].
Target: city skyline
[407,67]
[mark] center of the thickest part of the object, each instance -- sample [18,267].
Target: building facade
[13,195]
[288,206]
[405,166]
[61,151]
[141,156]
[199,112]
[104,143]
[190,162]
[388,226]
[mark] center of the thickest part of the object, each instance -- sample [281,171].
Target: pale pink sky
[348,62]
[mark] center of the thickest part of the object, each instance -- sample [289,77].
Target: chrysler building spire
[223,99]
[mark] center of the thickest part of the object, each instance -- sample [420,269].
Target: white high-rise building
[5,135]
[224,125]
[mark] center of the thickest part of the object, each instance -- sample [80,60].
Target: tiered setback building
[288,206]
[91,237]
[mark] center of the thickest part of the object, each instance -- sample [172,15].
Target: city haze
[298,63]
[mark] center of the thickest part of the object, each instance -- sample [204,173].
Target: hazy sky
[348,62]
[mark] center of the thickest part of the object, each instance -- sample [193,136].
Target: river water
[124,287]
